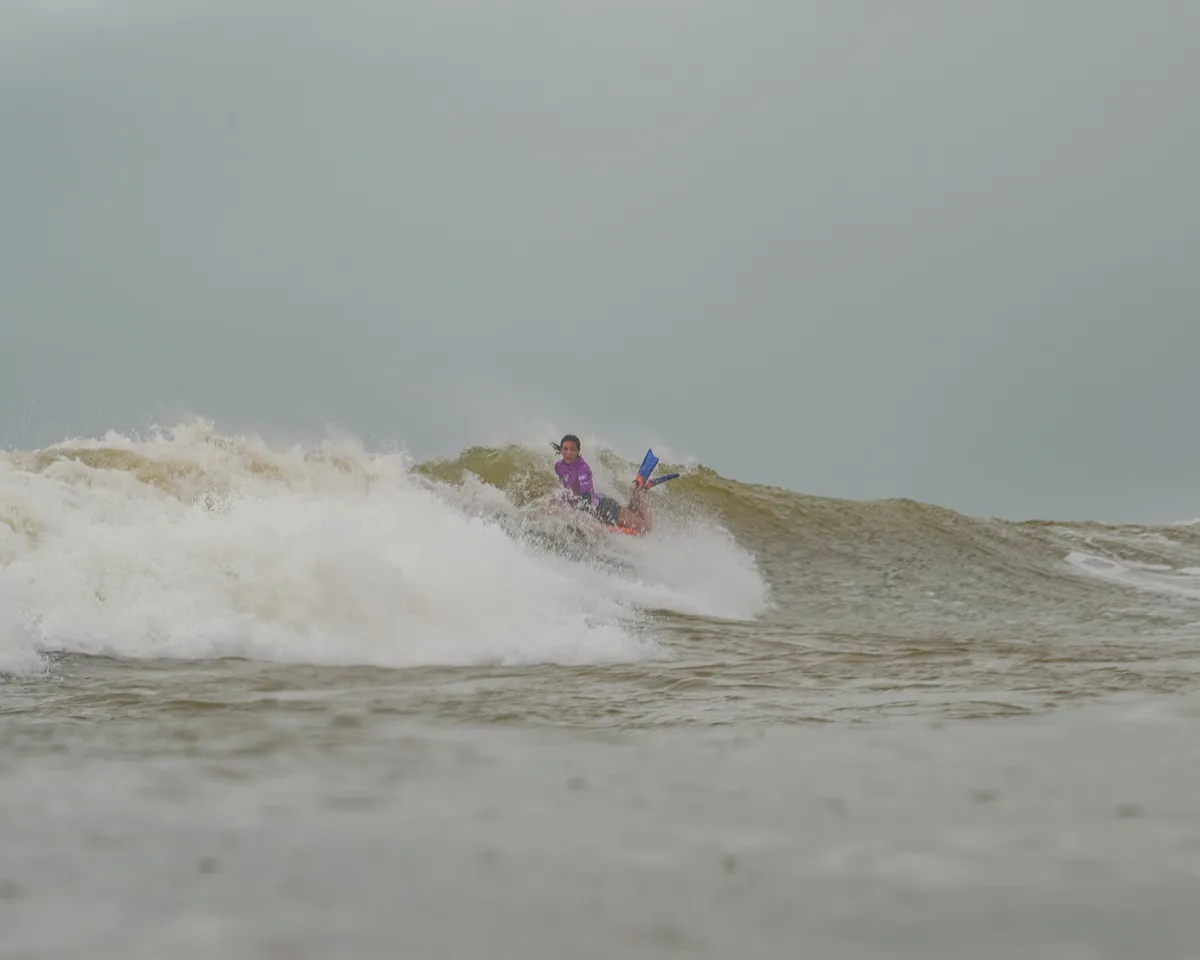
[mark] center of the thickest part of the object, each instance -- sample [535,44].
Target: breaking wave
[192,544]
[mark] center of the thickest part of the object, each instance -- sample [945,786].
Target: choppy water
[271,703]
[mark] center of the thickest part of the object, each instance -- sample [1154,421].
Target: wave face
[894,555]
[194,545]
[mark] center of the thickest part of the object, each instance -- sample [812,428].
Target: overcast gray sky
[942,250]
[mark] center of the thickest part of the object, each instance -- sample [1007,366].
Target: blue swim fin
[648,465]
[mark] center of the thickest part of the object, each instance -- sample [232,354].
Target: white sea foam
[189,544]
[1148,577]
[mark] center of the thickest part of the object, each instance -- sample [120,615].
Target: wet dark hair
[570,436]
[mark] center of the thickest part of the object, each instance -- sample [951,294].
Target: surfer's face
[569,451]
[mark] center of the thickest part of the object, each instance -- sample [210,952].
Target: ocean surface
[325,702]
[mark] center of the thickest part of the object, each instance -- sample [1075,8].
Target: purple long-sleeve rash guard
[577,479]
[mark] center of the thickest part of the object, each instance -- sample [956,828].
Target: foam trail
[192,545]
[693,567]
[1149,578]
